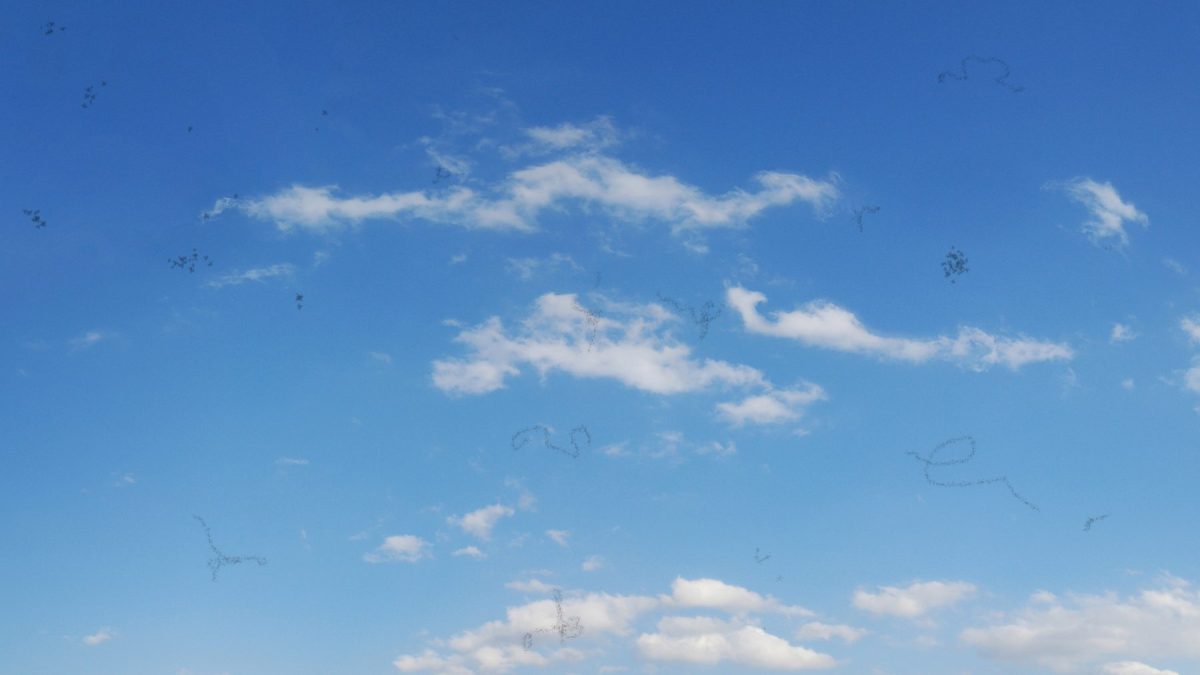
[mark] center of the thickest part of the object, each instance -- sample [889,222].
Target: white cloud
[291,461]
[716,594]
[470,551]
[708,641]
[399,548]
[1191,326]
[1121,333]
[1175,266]
[914,600]
[253,274]
[1191,377]
[560,337]
[1157,623]
[458,258]
[1127,383]
[598,134]
[606,622]
[628,343]
[381,357]
[99,637]
[497,647]
[826,325]
[772,407]
[606,184]
[1133,668]
[531,586]
[593,563]
[89,339]
[559,536]
[718,449]
[1109,212]
[479,523]
[815,630]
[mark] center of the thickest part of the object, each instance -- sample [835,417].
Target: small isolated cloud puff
[99,637]
[399,548]
[773,407]
[815,630]
[291,461]
[479,523]
[254,274]
[596,135]
[89,340]
[914,600]
[1109,212]
[716,594]
[826,325]
[1157,623]
[470,551]
[1133,668]
[708,641]
[381,357]
[1121,333]
[559,536]
[531,586]
[593,563]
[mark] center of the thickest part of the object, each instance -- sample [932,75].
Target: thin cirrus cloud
[579,177]
[480,522]
[607,623]
[255,274]
[1159,622]
[915,600]
[399,548]
[629,343]
[1109,212]
[826,325]
[99,637]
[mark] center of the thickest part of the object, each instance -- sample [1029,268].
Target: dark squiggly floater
[220,559]
[1001,79]
[932,461]
[578,434]
[567,628]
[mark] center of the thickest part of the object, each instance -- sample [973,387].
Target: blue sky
[511,217]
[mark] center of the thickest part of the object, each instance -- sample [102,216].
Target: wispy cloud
[291,461]
[258,274]
[580,176]
[99,637]
[1109,212]
[559,536]
[826,325]
[1159,622]
[528,268]
[593,563]
[914,600]
[89,339]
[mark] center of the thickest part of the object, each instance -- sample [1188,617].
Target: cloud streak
[826,325]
